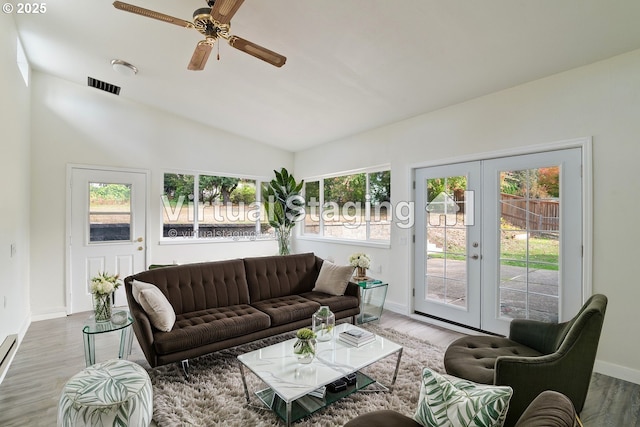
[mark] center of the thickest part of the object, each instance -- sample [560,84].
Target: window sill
[201,241]
[349,242]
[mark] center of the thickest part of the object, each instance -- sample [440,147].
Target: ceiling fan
[213,22]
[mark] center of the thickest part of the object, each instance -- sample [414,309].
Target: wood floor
[52,352]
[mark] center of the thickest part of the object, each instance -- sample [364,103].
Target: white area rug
[214,395]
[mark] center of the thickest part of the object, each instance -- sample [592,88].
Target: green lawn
[543,253]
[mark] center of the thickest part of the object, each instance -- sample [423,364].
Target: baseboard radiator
[7,349]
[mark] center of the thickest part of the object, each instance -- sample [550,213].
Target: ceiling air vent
[107,87]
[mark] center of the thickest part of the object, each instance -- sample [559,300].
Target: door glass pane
[529,243]
[446,233]
[109,212]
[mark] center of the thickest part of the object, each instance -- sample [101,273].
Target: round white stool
[112,393]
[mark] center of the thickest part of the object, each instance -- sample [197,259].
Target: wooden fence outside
[539,215]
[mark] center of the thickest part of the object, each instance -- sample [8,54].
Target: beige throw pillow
[155,304]
[137,286]
[333,279]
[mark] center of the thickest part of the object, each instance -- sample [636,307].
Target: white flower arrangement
[360,259]
[104,284]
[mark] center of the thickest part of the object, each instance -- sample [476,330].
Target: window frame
[320,237]
[195,238]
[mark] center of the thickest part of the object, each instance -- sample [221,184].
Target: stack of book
[357,337]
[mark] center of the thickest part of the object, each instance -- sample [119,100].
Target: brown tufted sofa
[222,304]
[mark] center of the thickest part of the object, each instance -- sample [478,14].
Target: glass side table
[372,295]
[120,321]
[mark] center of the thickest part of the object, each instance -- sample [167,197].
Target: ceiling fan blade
[200,55]
[258,51]
[223,10]
[152,14]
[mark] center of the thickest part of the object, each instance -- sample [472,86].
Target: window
[109,212]
[199,206]
[354,207]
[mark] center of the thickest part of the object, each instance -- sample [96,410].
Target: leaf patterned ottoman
[112,393]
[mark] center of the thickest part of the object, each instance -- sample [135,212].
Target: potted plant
[285,207]
[305,347]
[102,287]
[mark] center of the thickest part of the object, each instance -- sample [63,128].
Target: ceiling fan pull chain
[218,46]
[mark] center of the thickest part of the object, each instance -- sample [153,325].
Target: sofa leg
[353,319]
[185,368]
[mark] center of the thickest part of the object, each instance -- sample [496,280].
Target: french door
[500,239]
[448,261]
[107,233]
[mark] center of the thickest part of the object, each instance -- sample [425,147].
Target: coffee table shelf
[307,405]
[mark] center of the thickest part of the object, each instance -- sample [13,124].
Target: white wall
[601,100]
[75,124]
[14,214]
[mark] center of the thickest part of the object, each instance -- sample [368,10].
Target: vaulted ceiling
[352,65]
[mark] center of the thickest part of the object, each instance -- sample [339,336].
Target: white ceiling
[352,65]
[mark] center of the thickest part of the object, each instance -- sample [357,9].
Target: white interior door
[447,281]
[107,217]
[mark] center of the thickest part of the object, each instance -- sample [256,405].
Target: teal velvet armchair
[536,356]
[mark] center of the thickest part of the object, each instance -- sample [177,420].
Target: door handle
[475,256]
[140,239]
[140,248]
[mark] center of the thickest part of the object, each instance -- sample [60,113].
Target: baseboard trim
[617,371]
[48,316]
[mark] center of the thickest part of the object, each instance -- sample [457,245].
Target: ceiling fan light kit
[213,22]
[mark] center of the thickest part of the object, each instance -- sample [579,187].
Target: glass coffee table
[290,382]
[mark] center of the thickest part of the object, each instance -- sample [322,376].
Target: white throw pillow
[158,308]
[333,279]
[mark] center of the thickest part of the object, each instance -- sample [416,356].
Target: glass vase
[323,323]
[102,307]
[305,350]
[284,241]
[361,272]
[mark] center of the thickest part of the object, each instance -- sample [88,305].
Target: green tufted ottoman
[112,393]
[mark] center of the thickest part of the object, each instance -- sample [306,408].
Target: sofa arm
[353,290]
[382,418]
[141,326]
[540,336]
[550,408]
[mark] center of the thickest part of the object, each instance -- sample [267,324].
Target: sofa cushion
[474,357]
[157,307]
[278,276]
[333,279]
[287,309]
[449,401]
[199,328]
[336,303]
[195,287]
